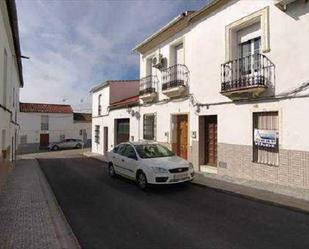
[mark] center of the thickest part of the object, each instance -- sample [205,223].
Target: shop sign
[265,138]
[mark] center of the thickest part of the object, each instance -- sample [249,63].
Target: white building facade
[42,124]
[10,81]
[227,88]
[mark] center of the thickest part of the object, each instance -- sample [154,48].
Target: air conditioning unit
[157,61]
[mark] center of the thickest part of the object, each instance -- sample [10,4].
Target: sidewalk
[294,198]
[95,156]
[30,217]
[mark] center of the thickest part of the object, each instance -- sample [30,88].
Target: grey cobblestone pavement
[29,215]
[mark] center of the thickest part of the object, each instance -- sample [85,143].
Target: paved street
[115,214]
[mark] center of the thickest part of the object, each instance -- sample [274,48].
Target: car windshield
[153,151]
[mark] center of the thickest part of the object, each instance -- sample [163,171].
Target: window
[249,54]
[23,139]
[149,126]
[127,151]
[5,75]
[153,151]
[97,134]
[266,140]
[247,26]
[44,123]
[62,137]
[99,105]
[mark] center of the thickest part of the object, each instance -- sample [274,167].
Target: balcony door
[249,56]
[179,54]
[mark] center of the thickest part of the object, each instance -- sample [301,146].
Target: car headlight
[159,170]
[190,166]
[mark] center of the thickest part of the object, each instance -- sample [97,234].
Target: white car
[67,144]
[148,163]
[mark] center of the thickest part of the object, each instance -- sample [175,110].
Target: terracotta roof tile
[45,108]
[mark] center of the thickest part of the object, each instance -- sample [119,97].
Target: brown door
[44,140]
[123,130]
[105,139]
[182,136]
[211,140]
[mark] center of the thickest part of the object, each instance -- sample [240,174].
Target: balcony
[175,81]
[251,75]
[147,91]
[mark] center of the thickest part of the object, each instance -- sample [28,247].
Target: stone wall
[236,161]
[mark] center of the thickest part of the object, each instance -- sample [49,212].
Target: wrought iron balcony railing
[174,76]
[247,72]
[148,84]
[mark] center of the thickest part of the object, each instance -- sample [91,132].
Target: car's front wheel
[141,180]
[56,147]
[111,170]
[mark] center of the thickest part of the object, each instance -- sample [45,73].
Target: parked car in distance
[148,163]
[67,144]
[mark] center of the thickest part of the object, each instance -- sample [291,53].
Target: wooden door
[211,140]
[44,140]
[105,139]
[182,136]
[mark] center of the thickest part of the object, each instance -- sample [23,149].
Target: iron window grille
[149,126]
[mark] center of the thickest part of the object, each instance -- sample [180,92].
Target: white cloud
[76,44]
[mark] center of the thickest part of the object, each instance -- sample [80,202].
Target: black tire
[141,180]
[55,148]
[78,146]
[111,170]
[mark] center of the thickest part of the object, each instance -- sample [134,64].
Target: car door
[62,144]
[66,143]
[129,160]
[115,158]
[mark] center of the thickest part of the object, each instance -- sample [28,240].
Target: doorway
[44,140]
[208,140]
[122,130]
[105,139]
[180,135]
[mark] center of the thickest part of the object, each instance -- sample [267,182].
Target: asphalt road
[115,214]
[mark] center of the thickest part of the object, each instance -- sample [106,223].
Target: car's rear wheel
[56,147]
[78,146]
[111,170]
[141,180]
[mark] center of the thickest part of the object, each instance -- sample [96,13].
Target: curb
[63,230]
[264,196]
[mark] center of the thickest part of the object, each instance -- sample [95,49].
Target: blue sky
[74,45]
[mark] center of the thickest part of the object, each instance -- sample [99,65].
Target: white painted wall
[204,46]
[204,52]
[59,124]
[77,126]
[11,101]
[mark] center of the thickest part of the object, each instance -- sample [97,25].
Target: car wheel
[56,147]
[111,170]
[78,146]
[141,180]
